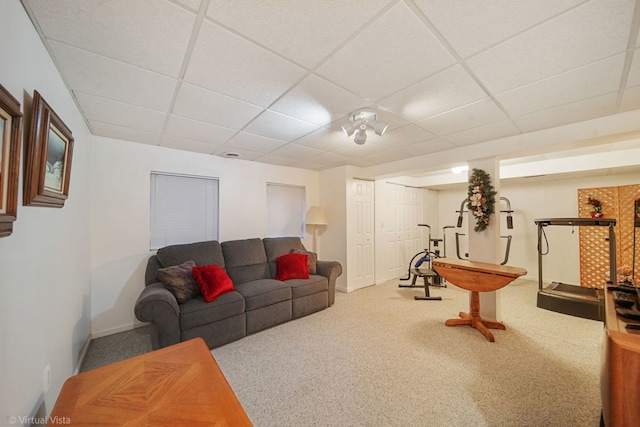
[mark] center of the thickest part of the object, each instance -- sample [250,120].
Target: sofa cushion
[196,312]
[203,253]
[292,266]
[212,280]
[179,281]
[312,259]
[303,287]
[276,246]
[245,260]
[264,292]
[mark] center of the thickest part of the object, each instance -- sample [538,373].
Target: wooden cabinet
[620,374]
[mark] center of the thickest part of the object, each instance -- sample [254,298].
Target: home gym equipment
[575,300]
[508,237]
[422,268]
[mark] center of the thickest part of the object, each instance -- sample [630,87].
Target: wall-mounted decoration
[481,198]
[10,134]
[596,207]
[49,151]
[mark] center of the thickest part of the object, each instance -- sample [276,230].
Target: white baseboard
[83,353]
[111,331]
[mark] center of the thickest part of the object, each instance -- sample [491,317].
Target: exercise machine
[508,237]
[421,266]
[574,300]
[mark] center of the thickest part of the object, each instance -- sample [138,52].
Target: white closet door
[363,200]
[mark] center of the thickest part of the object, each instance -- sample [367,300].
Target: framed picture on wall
[49,151]
[10,134]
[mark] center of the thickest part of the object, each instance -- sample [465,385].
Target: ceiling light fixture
[361,120]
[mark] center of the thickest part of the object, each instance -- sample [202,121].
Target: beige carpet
[380,358]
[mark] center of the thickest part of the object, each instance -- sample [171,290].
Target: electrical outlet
[46,378]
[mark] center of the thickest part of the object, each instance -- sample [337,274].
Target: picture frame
[49,152]
[10,139]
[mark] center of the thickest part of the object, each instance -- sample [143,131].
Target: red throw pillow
[212,280]
[292,266]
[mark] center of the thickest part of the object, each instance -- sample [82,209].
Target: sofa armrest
[331,270]
[157,304]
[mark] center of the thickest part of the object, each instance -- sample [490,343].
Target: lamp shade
[378,127]
[316,216]
[361,137]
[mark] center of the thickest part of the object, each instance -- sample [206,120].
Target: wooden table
[476,277]
[180,385]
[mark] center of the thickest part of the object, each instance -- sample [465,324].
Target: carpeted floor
[380,358]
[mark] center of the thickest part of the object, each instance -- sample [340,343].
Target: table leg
[474,319]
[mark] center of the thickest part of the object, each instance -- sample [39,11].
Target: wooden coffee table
[180,385]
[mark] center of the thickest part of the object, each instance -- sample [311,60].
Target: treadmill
[570,299]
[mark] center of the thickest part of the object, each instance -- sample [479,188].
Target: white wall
[333,239]
[530,201]
[44,264]
[120,215]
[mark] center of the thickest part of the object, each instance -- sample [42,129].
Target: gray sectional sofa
[259,301]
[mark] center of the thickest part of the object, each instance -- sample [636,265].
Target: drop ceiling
[274,80]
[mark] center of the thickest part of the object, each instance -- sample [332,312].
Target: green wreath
[481,198]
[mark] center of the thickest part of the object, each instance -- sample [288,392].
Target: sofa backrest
[276,246]
[202,253]
[245,260]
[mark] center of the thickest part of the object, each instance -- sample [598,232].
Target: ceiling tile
[471,26]
[386,156]
[199,131]
[97,75]
[484,133]
[634,71]
[631,99]
[318,101]
[187,144]
[104,27]
[325,139]
[447,90]
[307,30]
[121,114]
[252,142]
[294,151]
[192,4]
[591,80]
[581,110]
[127,134]
[331,159]
[276,159]
[310,164]
[466,117]
[427,147]
[585,34]
[243,152]
[229,64]
[394,52]
[372,146]
[275,80]
[405,135]
[278,126]
[207,106]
